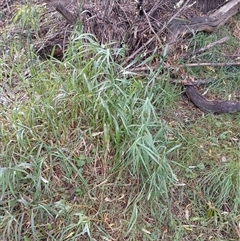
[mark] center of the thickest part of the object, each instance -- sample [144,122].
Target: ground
[99,145]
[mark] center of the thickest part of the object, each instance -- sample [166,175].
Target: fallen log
[214,106]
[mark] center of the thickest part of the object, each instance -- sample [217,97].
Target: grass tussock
[89,151]
[81,122]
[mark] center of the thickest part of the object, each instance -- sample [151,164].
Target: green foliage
[27,16]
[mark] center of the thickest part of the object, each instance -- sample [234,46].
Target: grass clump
[82,122]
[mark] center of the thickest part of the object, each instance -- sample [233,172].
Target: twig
[150,26]
[237,230]
[153,67]
[220,41]
[232,56]
[106,9]
[194,81]
[65,13]
[144,68]
[210,64]
[155,7]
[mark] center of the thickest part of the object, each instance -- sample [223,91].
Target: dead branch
[195,82]
[150,26]
[214,106]
[207,47]
[167,66]
[206,23]
[210,64]
[66,14]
